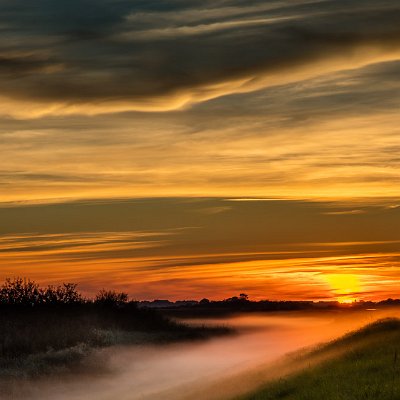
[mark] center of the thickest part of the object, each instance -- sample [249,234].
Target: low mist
[213,369]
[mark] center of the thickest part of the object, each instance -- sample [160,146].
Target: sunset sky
[186,149]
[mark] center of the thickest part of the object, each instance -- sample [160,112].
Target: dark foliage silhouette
[47,321]
[28,293]
[111,297]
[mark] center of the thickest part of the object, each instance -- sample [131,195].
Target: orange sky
[187,248]
[203,148]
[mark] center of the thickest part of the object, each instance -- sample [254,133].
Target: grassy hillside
[361,365]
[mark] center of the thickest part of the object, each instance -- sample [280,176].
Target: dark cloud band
[104,56]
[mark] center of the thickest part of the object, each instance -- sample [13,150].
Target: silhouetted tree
[20,291]
[243,297]
[65,294]
[111,297]
[25,292]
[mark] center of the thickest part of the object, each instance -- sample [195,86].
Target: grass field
[362,365]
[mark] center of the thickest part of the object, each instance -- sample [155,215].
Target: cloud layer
[90,57]
[294,99]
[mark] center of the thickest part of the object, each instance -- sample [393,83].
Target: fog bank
[214,369]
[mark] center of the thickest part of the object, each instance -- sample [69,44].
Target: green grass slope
[362,365]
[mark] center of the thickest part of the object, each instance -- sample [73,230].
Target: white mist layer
[213,369]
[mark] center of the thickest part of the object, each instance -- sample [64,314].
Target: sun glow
[344,287]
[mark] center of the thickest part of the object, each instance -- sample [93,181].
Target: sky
[186,149]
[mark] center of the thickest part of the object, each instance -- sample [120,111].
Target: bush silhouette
[24,292]
[111,297]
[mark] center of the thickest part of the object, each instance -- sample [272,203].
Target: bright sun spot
[344,286]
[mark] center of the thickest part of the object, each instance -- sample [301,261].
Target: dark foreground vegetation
[361,365]
[53,328]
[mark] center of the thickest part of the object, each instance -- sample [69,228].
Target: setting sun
[345,287]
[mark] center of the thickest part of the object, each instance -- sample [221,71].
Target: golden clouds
[344,157]
[258,100]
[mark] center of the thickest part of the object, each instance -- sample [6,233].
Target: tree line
[25,292]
